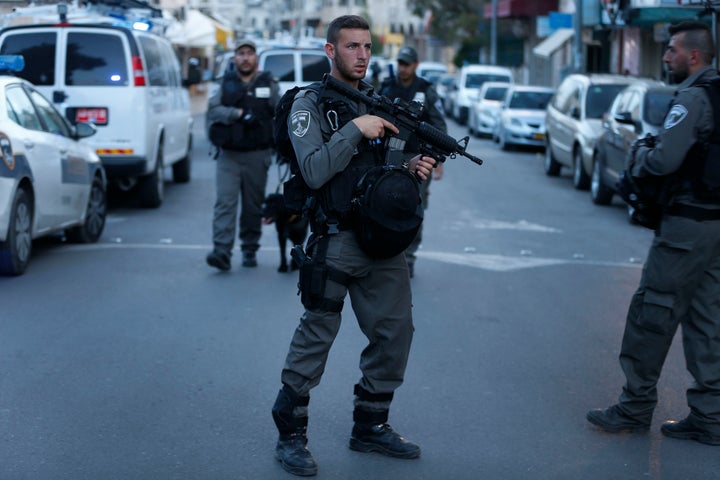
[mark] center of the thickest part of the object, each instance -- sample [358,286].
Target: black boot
[290,415]
[371,432]
[687,429]
[381,438]
[613,420]
[292,453]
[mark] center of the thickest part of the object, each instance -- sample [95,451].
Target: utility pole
[493,33]
[578,21]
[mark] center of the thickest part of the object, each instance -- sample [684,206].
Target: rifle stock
[406,117]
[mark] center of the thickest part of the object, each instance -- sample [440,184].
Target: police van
[110,65]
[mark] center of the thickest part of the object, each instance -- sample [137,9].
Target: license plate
[97,116]
[539,136]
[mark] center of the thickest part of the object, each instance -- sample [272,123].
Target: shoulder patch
[300,122]
[676,115]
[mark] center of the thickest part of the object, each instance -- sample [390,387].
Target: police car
[49,181]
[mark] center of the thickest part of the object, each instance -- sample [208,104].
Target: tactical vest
[700,171]
[392,89]
[254,131]
[335,197]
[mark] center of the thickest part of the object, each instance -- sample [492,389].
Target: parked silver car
[522,116]
[485,109]
[574,122]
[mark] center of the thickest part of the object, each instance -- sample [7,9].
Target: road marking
[504,263]
[496,263]
[470,221]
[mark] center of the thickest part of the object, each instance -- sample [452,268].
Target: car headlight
[515,122]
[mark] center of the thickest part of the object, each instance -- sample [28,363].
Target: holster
[314,273]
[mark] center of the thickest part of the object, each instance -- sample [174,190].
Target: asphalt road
[132,359]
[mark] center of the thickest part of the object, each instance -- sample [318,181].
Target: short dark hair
[346,21]
[698,36]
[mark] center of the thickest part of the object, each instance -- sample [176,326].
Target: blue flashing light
[12,63]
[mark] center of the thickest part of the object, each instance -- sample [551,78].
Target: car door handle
[29,144]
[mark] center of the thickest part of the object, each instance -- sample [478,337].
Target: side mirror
[84,130]
[575,112]
[624,117]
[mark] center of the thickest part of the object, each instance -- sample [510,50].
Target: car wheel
[581,180]
[90,231]
[552,167]
[600,193]
[181,169]
[152,187]
[15,251]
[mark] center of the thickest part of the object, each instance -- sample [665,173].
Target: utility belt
[692,212]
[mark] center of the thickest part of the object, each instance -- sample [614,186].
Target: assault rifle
[406,117]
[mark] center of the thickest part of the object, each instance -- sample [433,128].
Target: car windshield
[530,100]
[656,107]
[476,80]
[599,98]
[495,93]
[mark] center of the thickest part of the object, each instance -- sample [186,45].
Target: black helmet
[388,211]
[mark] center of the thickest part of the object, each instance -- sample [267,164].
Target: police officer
[332,148]
[240,118]
[680,284]
[407,86]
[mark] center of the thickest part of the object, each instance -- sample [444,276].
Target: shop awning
[553,42]
[520,8]
[223,35]
[197,31]
[647,17]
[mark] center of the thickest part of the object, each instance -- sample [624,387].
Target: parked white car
[522,116]
[485,109]
[49,181]
[470,79]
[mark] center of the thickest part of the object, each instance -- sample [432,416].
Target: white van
[295,66]
[127,83]
[431,71]
[470,80]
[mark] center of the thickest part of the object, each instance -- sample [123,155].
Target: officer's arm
[219,113]
[689,116]
[319,161]
[435,118]
[274,93]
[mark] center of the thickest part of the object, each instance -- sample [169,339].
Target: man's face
[676,58]
[351,55]
[406,71]
[246,60]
